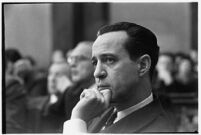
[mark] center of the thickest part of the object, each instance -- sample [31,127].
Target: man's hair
[188,58]
[141,41]
[12,55]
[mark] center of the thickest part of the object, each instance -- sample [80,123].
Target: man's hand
[92,103]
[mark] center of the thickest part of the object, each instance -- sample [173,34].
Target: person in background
[14,96]
[46,117]
[58,56]
[31,60]
[80,61]
[124,56]
[59,80]
[165,74]
[178,57]
[81,76]
[12,55]
[34,81]
[194,57]
[185,78]
[82,70]
[165,82]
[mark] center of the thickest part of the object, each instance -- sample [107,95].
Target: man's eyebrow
[104,55]
[107,54]
[93,58]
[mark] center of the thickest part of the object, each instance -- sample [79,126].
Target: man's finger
[107,94]
[86,93]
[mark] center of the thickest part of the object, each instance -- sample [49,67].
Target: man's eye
[94,62]
[109,60]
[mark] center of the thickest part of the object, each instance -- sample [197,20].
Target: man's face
[113,67]
[185,67]
[80,62]
[56,71]
[165,63]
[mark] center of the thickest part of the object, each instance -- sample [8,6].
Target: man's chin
[112,102]
[76,79]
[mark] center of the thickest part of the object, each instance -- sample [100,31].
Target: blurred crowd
[39,101]
[176,83]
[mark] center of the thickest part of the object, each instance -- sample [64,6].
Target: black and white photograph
[104,67]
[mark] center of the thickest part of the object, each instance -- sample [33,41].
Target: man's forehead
[110,42]
[82,49]
[60,66]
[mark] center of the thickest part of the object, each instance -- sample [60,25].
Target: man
[59,78]
[14,96]
[186,81]
[165,74]
[82,70]
[44,113]
[34,81]
[124,56]
[80,61]
[61,104]
[12,55]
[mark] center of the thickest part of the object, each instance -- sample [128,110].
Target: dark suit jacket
[67,101]
[149,119]
[42,119]
[15,108]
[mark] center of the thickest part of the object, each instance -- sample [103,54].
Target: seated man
[44,114]
[14,97]
[82,70]
[124,56]
[34,81]
[65,94]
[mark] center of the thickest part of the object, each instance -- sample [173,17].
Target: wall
[169,21]
[28,28]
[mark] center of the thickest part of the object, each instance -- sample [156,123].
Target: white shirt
[134,108]
[53,99]
[80,126]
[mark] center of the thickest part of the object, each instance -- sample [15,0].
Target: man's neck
[141,92]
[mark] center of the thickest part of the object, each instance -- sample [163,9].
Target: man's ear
[144,64]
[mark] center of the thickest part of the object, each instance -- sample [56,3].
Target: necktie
[111,119]
[100,122]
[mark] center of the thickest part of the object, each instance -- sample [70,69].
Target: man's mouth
[74,72]
[103,87]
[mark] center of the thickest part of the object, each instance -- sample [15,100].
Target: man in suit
[124,56]
[66,94]
[82,70]
[14,96]
[44,114]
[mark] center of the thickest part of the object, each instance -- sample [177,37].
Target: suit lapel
[136,120]
[99,122]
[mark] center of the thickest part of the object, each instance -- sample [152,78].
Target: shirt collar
[136,107]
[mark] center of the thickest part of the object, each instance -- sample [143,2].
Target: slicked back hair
[141,41]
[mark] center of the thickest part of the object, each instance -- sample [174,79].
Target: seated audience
[34,81]
[185,79]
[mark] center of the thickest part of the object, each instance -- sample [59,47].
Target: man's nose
[100,72]
[73,63]
[51,78]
